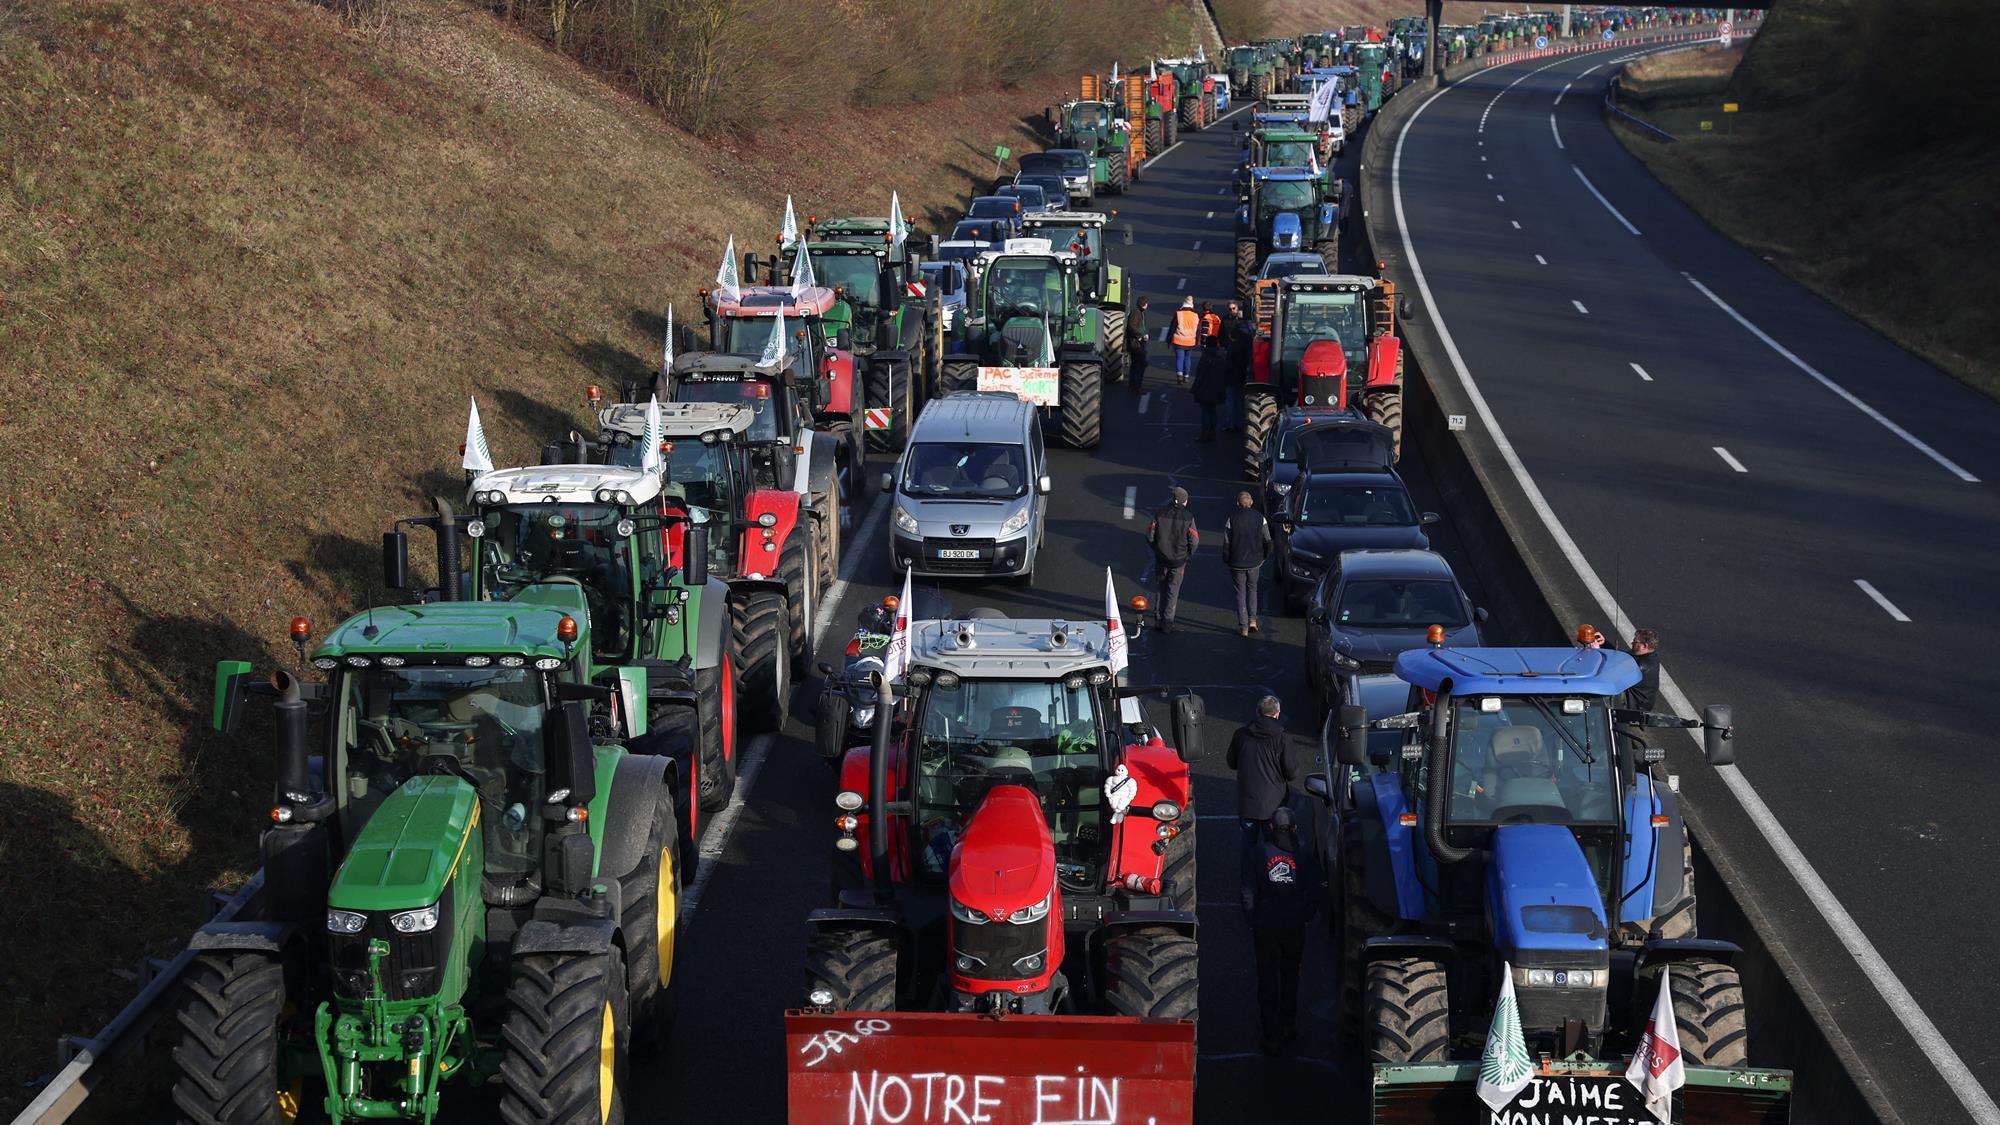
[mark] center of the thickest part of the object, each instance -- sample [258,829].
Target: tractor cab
[1028,293]
[1277,145]
[1080,233]
[780,405]
[816,334]
[1285,208]
[1304,312]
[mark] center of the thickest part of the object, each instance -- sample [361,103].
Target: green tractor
[1102,282]
[1093,126]
[1280,145]
[1371,60]
[469,880]
[895,330]
[1249,72]
[1035,334]
[1194,95]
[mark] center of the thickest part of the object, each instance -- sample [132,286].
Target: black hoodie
[1261,755]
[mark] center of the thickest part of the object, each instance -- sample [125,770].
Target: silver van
[971,489]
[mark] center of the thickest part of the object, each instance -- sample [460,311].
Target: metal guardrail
[1611,104]
[80,1057]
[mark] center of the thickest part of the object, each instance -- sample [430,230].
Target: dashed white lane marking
[1222,191]
[1489,175]
[1163,332]
[1579,306]
[1131,493]
[1181,284]
[1197,244]
[1565,90]
[1600,198]
[1482,160]
[1642,373]
[1539,260]
[1911,1015]
[1729,459]
[1145,400]
[1516,222]
[1211,214]
[1501,198]
[1887,605]
[1830,385]
[1556,133]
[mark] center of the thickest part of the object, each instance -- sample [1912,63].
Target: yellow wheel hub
[667,914]
[607,1064]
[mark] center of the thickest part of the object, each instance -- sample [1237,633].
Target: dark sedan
[1331,512]
[1373,604]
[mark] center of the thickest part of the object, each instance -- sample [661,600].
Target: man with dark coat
[1173,539]
[1236,336]
[1246,543]
[1281,890]
[1211,386]
[1645,695]
[1261,754]
[1135,346]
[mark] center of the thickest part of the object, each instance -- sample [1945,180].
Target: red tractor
[816,346]
[1021,843]
[1303,323]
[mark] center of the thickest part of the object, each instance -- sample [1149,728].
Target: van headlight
[905,521]
[1015,522]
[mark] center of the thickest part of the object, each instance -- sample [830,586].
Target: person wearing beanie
[1280,891]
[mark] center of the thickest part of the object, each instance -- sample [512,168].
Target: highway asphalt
[1803,510]
[742,955]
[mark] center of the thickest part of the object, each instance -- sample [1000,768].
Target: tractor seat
[1015,723]
[1517,749]
[1023,338]
[1535,797]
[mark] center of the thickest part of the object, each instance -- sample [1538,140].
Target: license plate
[956,553]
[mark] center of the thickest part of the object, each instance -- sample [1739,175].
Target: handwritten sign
[1041,386]
[1578,1099]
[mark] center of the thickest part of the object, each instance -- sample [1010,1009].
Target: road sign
[1455,422]
[1541,42]
[1002,152]
[1609,35]
[1708,126]
[1726,32]
[1730,107]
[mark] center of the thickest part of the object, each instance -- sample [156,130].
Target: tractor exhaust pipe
[447,548]
[294,770]
[878,785]
[1437,799]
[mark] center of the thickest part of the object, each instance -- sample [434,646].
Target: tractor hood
[1007,860]
[1542,895]
[1286,232]
[408,850]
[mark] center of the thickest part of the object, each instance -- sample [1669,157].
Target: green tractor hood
[409,849]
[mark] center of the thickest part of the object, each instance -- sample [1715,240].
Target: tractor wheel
[1260,417]
[830,720]
[798,571]
[1190,113]
[1116,358]
[958,375]
[1708,1011]
[226,1063]
[715,772]
[1170,127]
[1386,408]
[1177,867]
[1329,251]
[649,904]
[1149,973]
[1353,921]
[1116,179]
[1408,1017]
[1246,267]
[565,1035]
[856,968]
[825,519]
[1678,920]
[1208,107]
[1155,130]
[1082,395]
[759,645]
[889,387]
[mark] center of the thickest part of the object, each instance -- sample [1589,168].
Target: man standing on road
[1261,755]
[1187,333]
[1211,385]
[1173,538]
[1645,695]
[1236,338]
[1246,543]
[1136,334]
[1211,325]
[1281,889]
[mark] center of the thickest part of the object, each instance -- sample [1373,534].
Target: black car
[1280,460]
[1372,604]
[1051,183]
[1345,497]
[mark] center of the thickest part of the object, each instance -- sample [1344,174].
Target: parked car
[1374,603]
[1054,188]
[971,490]
[947,277]
[976,233]
[1034,198]
[1291,263]
[1072,164]
[1003,210]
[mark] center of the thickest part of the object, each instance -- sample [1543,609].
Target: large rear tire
[1116,179]
[1408,1011]
[958,375]
[1386,408]
[1082,407]
[226,1063]
[856,968]
[1149,973]
[1115,355]
[1709,1013]
[796,569]
[1260,417]
[566,1034]
[1177,867]
[1246,267]
[759,645]
[1170,126]
[1353,921]
[1154,131]
[826,538]
[889,388]
[649,910]
[1190,113]
[1328,250]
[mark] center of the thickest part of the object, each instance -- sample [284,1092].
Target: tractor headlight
[847,800]
[1166,810]
[906,522]
[1345,662]
[548,663]
[1559,978]
[345,921]
[475,529]
[967,914]
[1015,522]
[415,921]
[1281,489]
[1036,912]
[862,716]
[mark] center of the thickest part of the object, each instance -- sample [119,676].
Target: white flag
[774,348]
[667,359]
[656,429]
[1657,1069]
[1117,651]
[789,233]
[897,231]
[1048,356]
[1152,72]
[1322,103]
[1505,1070]
[725,278]
[897,659]
[478,458]
[802,272]
[1114,71]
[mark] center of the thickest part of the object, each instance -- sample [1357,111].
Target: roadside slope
[252,264]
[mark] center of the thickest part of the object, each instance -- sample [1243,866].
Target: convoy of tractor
[473,869]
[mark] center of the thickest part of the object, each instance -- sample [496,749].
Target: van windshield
[981,471]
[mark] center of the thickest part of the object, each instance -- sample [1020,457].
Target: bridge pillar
[1434,13]
[1566,17]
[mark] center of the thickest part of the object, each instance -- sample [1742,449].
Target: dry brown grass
[252,263]
[1297,17]
[1816,175]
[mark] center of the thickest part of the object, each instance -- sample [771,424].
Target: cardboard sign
[1040,386]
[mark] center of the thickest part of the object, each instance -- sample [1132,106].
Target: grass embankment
[1297,17]
[1877,186]
[253,262]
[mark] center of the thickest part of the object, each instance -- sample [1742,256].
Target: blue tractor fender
[1669,950]
[1329,217]
[1651,881]
[1392,868]
[1243,222]
[1287,233]
[1540,894]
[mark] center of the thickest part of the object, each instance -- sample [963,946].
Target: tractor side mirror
[844,339]
[395,560]
[1317,786]
[231,676]
[1185,721]
[1480,614]
[1406,308]
[1317,616]
[694,556]
[1045,485]
[572,764]
[825,669]
[1353,747]
[1718,736]
[888,482]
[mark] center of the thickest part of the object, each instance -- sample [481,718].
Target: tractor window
[534,544]
[1378,604]
[1018,286]
[764,409]
[1287,154]
[860,274]
[1087,241]
[750,335]
[701,482]
[1324,316]
[1532,759]
[982,733]
[481,724]
[1356,506]
[1274,196]
[1087,115]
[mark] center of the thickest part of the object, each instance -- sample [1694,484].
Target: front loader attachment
[921,1067]
[1578,1090]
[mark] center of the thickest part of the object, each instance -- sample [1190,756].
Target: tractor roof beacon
[1526,820]
[1008,743]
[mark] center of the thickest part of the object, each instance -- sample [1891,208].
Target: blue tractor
[1502,810]
[1285,208]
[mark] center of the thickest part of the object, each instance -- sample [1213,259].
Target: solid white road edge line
[1131,499]
[1615,213]
[1949,1065]
[1830,385]
[1887,605]
[1729,459]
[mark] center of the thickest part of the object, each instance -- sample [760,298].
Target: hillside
[253,261]
[1863,173]
[1296,17]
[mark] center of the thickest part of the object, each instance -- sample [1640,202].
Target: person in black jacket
[1246,543]
[1645,695]
[1135,346]
[1281,889]
[1261,755]
[1211,386]
[1236,338]
[1173,539]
